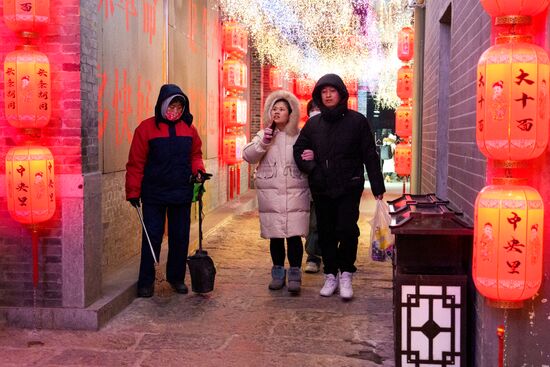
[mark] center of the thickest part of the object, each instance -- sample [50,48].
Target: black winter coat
[342,143]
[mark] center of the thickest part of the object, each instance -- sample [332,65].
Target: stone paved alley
[241,323]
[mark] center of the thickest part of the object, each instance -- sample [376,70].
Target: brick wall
[61,43]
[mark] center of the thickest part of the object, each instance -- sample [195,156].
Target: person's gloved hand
[268,135]
[134,202]
[308,155]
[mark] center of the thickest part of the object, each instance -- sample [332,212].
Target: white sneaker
[312,267]
[330,286]
[346,291]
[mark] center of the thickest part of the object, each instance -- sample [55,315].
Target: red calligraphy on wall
[131,10]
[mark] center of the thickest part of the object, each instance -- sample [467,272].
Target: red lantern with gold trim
[508,232]
[512,100]
[30,184]
[403,159]
[498,8]
[405,83]
[405,44]
[234,111]
[26,17]
[233,144]
[27,88]
[403,120]
[235,39]
[234,75]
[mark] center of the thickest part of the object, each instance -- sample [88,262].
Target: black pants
[295,251]
[154,216]
[338,230]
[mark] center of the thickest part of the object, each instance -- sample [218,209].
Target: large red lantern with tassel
[27,88]
[30,184]
[26,17]
[403,120]
[235,39]
[405,44]
[403,159]
[405,83]
[508,232]
[498,8]
[512,100]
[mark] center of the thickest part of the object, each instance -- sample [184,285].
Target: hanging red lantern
[352,103]
[30,184]
[405,83]
[26,17]
[234,111]
[233,144]
[405,44]
[235,39]
[275,78]
[303,109]
[304,87]
[498,8]
[403,159]
[508,231]
[234,75]
[512,100]
[352,86]
[403,120]
[27,88]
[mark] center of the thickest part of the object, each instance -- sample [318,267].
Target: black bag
[386,152]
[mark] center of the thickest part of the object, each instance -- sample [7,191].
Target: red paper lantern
[352,87]
[234,111]
[508,232]
[235,39]
[275,78]
[234,75]
[405,83]
[403,120]
[303,109]
[512,100]
[304,87]
[498,8]
[403,159]
[233,144]
[26,16]
[27,88]
[405,44]
[352,103]
[30,184]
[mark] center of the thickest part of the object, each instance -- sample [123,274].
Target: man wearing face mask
[165,154]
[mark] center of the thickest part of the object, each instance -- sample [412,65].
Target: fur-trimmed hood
[291,127]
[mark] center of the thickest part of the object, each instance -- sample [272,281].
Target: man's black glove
[202,176]
[134,202]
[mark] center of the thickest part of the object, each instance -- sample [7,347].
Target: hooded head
[291,127]
[170,93]
[335,81]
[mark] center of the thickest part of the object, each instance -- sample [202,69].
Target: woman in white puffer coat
[282,189]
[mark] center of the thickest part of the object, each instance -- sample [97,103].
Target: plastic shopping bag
[381,238]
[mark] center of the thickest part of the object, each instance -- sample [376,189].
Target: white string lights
[353,38]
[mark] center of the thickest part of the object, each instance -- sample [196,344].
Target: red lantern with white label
[405,83]
[403,120]
[30,184]
[27,88]
[498,8]
[233,145]
[275,78]
[234,75]
[507,262]
[234,111]
[512,100]
[26,17]
[405,44]
[403,159]
[235,39]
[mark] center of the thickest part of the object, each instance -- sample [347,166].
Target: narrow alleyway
[241,323]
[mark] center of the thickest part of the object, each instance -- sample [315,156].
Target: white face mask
[314,113]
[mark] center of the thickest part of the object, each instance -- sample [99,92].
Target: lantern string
[500,334]
[34,232]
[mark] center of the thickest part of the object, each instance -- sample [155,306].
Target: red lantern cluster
[512,125]
[235,83]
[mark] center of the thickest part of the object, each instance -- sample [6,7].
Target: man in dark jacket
[164,155]
[332,149]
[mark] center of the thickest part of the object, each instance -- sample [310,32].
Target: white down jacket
[282,189]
